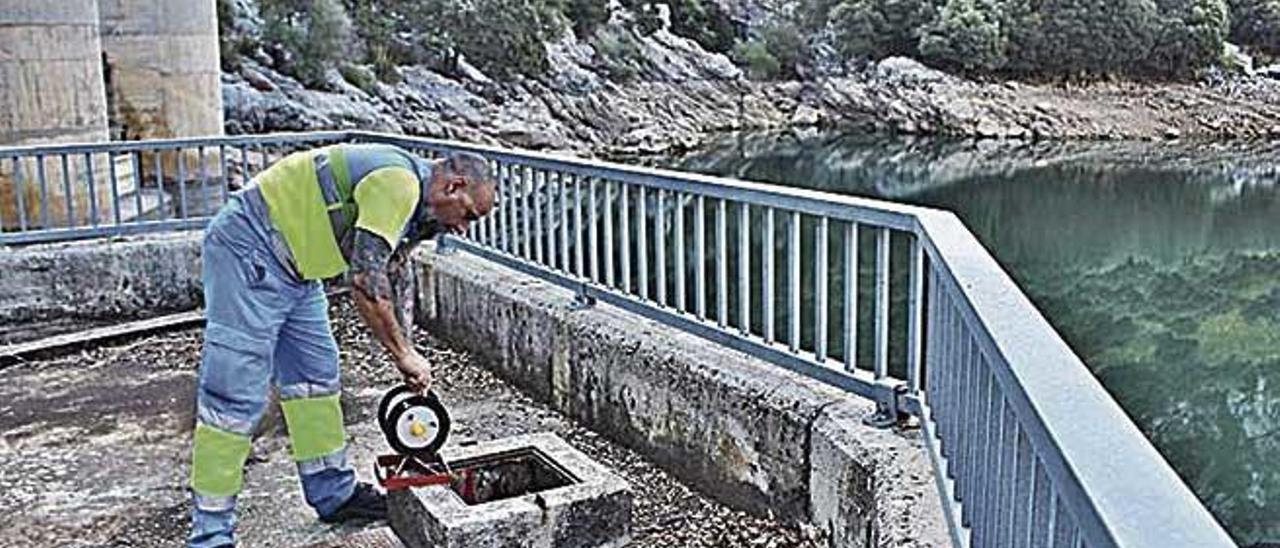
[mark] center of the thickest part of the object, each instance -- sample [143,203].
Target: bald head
[470,166]
[462,190]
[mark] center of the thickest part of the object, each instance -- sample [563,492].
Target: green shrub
[358,76]
[386,66]
[586,16]
[967,36]
[1096,37]
[1189,36]
[786,45]
[316,35]
[618,54]
[647,20]
[377,23]
[704,22]
[812,15]
[754,54]
[1256,23]
[238,35]
[874,29]
[505,37]
[227,39]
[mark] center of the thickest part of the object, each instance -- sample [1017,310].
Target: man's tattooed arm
[400,272]
[374,295]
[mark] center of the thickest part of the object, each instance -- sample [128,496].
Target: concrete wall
[758,437]
[99,280]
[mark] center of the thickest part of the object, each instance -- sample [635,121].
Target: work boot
[366,504]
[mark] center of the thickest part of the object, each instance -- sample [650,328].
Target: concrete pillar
[51,90]
[162,67]
[51,72]
[164,80]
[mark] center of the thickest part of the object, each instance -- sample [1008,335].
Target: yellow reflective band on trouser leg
[315,426]
[217,462]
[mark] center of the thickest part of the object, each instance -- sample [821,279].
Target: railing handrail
[1105,463]
[1118,488]
[814,202]
[277,138]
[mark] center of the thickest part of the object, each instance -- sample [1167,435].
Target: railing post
[445,246]
[890,411]
[582,299]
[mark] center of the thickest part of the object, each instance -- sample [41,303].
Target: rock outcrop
[677,95]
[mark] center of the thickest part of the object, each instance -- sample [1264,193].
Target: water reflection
[1159,263]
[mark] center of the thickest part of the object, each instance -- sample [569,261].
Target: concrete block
[718,419]
[101,279]
[51,69]
[584,506]
[870,486]
[507,320]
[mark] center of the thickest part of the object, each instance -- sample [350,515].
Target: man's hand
[374,299]
[416,371]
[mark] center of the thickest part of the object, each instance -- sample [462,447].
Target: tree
[313,35]
[586,16]
[967,35]
[1095,37]
[1189,36]
[1021,21]
[754,54]
[857,27]
[874,29]
[783,41]
[1256,23]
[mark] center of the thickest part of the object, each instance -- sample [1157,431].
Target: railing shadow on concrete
[1028,448]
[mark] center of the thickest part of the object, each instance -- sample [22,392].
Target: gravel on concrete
[94,449]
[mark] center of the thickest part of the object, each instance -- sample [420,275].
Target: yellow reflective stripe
[217,462]
[338,163]
[315,426]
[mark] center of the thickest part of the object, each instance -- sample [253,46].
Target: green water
[1159,263]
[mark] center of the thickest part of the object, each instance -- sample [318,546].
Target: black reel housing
[414,425]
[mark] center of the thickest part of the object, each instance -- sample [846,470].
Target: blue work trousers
[263,326]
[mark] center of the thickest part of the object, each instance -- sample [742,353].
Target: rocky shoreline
[680,96]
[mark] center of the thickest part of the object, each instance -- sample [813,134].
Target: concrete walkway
[94,448]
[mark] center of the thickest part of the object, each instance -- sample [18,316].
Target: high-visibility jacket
[316,198]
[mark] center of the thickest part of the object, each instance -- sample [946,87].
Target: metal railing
[61,192]
[895,303]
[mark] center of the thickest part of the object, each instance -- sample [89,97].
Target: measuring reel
[414,425]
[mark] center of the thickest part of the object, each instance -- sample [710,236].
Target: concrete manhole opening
[533,491]
[506,475]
